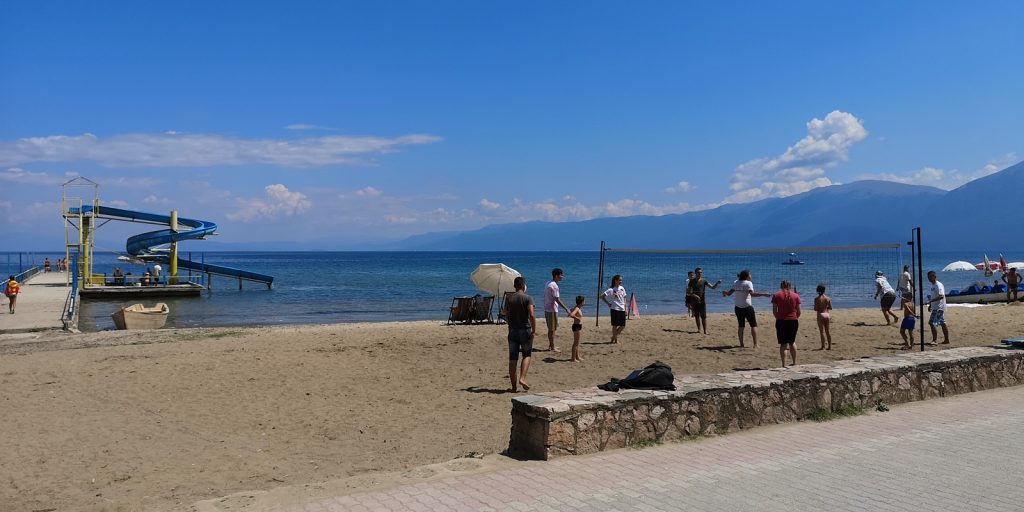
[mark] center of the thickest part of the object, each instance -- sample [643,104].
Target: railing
[70,316]
[26,275]
[134,280]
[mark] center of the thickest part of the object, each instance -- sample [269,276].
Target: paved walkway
[40,304]
[952,454]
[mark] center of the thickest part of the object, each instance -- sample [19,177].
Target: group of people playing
[522,322]
[61,265]
[786,302]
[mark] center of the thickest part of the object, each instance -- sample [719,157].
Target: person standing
[689,298]
[906,283]
[522,324]
[786,308]
[823,308]
[552,302]
[615,297]
[937,303]
[698,286]
[743,291]
[909,320]
[1012,280]
[11,290]
[883,288]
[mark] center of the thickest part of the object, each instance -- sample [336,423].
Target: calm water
[330,287]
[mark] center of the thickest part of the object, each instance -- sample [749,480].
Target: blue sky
[348,123]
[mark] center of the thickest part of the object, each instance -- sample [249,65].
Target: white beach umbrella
[494,278]
[957,266]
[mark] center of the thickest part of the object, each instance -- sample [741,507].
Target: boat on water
[792,260]
[138,316]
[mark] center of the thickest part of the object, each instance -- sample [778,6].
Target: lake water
[331,287]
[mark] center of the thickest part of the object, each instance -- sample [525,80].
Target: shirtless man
[1012,280]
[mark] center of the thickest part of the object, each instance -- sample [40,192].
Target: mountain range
[985,212]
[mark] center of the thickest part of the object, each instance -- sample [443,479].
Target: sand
[160,420]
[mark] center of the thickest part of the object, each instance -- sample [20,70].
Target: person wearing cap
[883,288]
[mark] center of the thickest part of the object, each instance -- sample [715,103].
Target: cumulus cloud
[174,149]
[368,192]
[153,200]
[682,186]
[802,166]
[945,179]
[278,201]
[489,205]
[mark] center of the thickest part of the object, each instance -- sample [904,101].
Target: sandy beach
[160,420]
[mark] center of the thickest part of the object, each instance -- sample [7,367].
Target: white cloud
[489,205]
[368,192]
[156,201]
[200,150]
[802,166]
[941,178]
[682,186]
[301,126]
[41,213]
[277,201]
[19,175]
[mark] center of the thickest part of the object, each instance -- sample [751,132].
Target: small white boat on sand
[138,316]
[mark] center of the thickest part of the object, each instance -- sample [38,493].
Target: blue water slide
[146,245]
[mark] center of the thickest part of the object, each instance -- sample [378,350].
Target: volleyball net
[656,278]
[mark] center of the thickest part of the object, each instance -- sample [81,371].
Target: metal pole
[600,280]
[920,284]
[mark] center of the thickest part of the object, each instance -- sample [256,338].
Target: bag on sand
[657,375]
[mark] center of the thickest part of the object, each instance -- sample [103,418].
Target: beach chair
[482,307]
[503,308]
[461,310]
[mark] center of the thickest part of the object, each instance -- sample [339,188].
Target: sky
[337,125]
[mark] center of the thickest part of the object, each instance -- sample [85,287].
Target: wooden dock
[40,304]
[141,292]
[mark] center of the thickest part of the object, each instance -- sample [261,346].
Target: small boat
[138,316]
[975,294]
[792,260]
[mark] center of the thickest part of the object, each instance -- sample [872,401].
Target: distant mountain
[974,215]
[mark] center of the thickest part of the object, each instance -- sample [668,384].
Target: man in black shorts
[1012,280]
[700,308]
[522,323]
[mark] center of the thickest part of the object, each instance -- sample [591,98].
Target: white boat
[138,316]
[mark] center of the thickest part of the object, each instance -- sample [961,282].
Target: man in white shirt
[743,306]
[552,302]
[883,288]
[937,301]
[906,282]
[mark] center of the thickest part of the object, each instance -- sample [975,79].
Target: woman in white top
[743,291]
[615,297]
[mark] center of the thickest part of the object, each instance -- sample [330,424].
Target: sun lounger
[503,309]
[461,310]
[482,307]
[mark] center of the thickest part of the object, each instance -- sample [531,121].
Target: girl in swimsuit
[822,306]
[577,327]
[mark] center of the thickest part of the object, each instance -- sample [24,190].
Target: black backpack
[657,375]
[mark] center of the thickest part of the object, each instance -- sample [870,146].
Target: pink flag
[633,310]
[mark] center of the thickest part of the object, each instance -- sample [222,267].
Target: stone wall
[590,420]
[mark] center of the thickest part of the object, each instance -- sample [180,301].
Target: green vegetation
[843,412]
[640,444]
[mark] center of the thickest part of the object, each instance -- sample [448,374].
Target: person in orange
[11,290]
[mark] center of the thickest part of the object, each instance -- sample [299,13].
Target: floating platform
[141,292]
